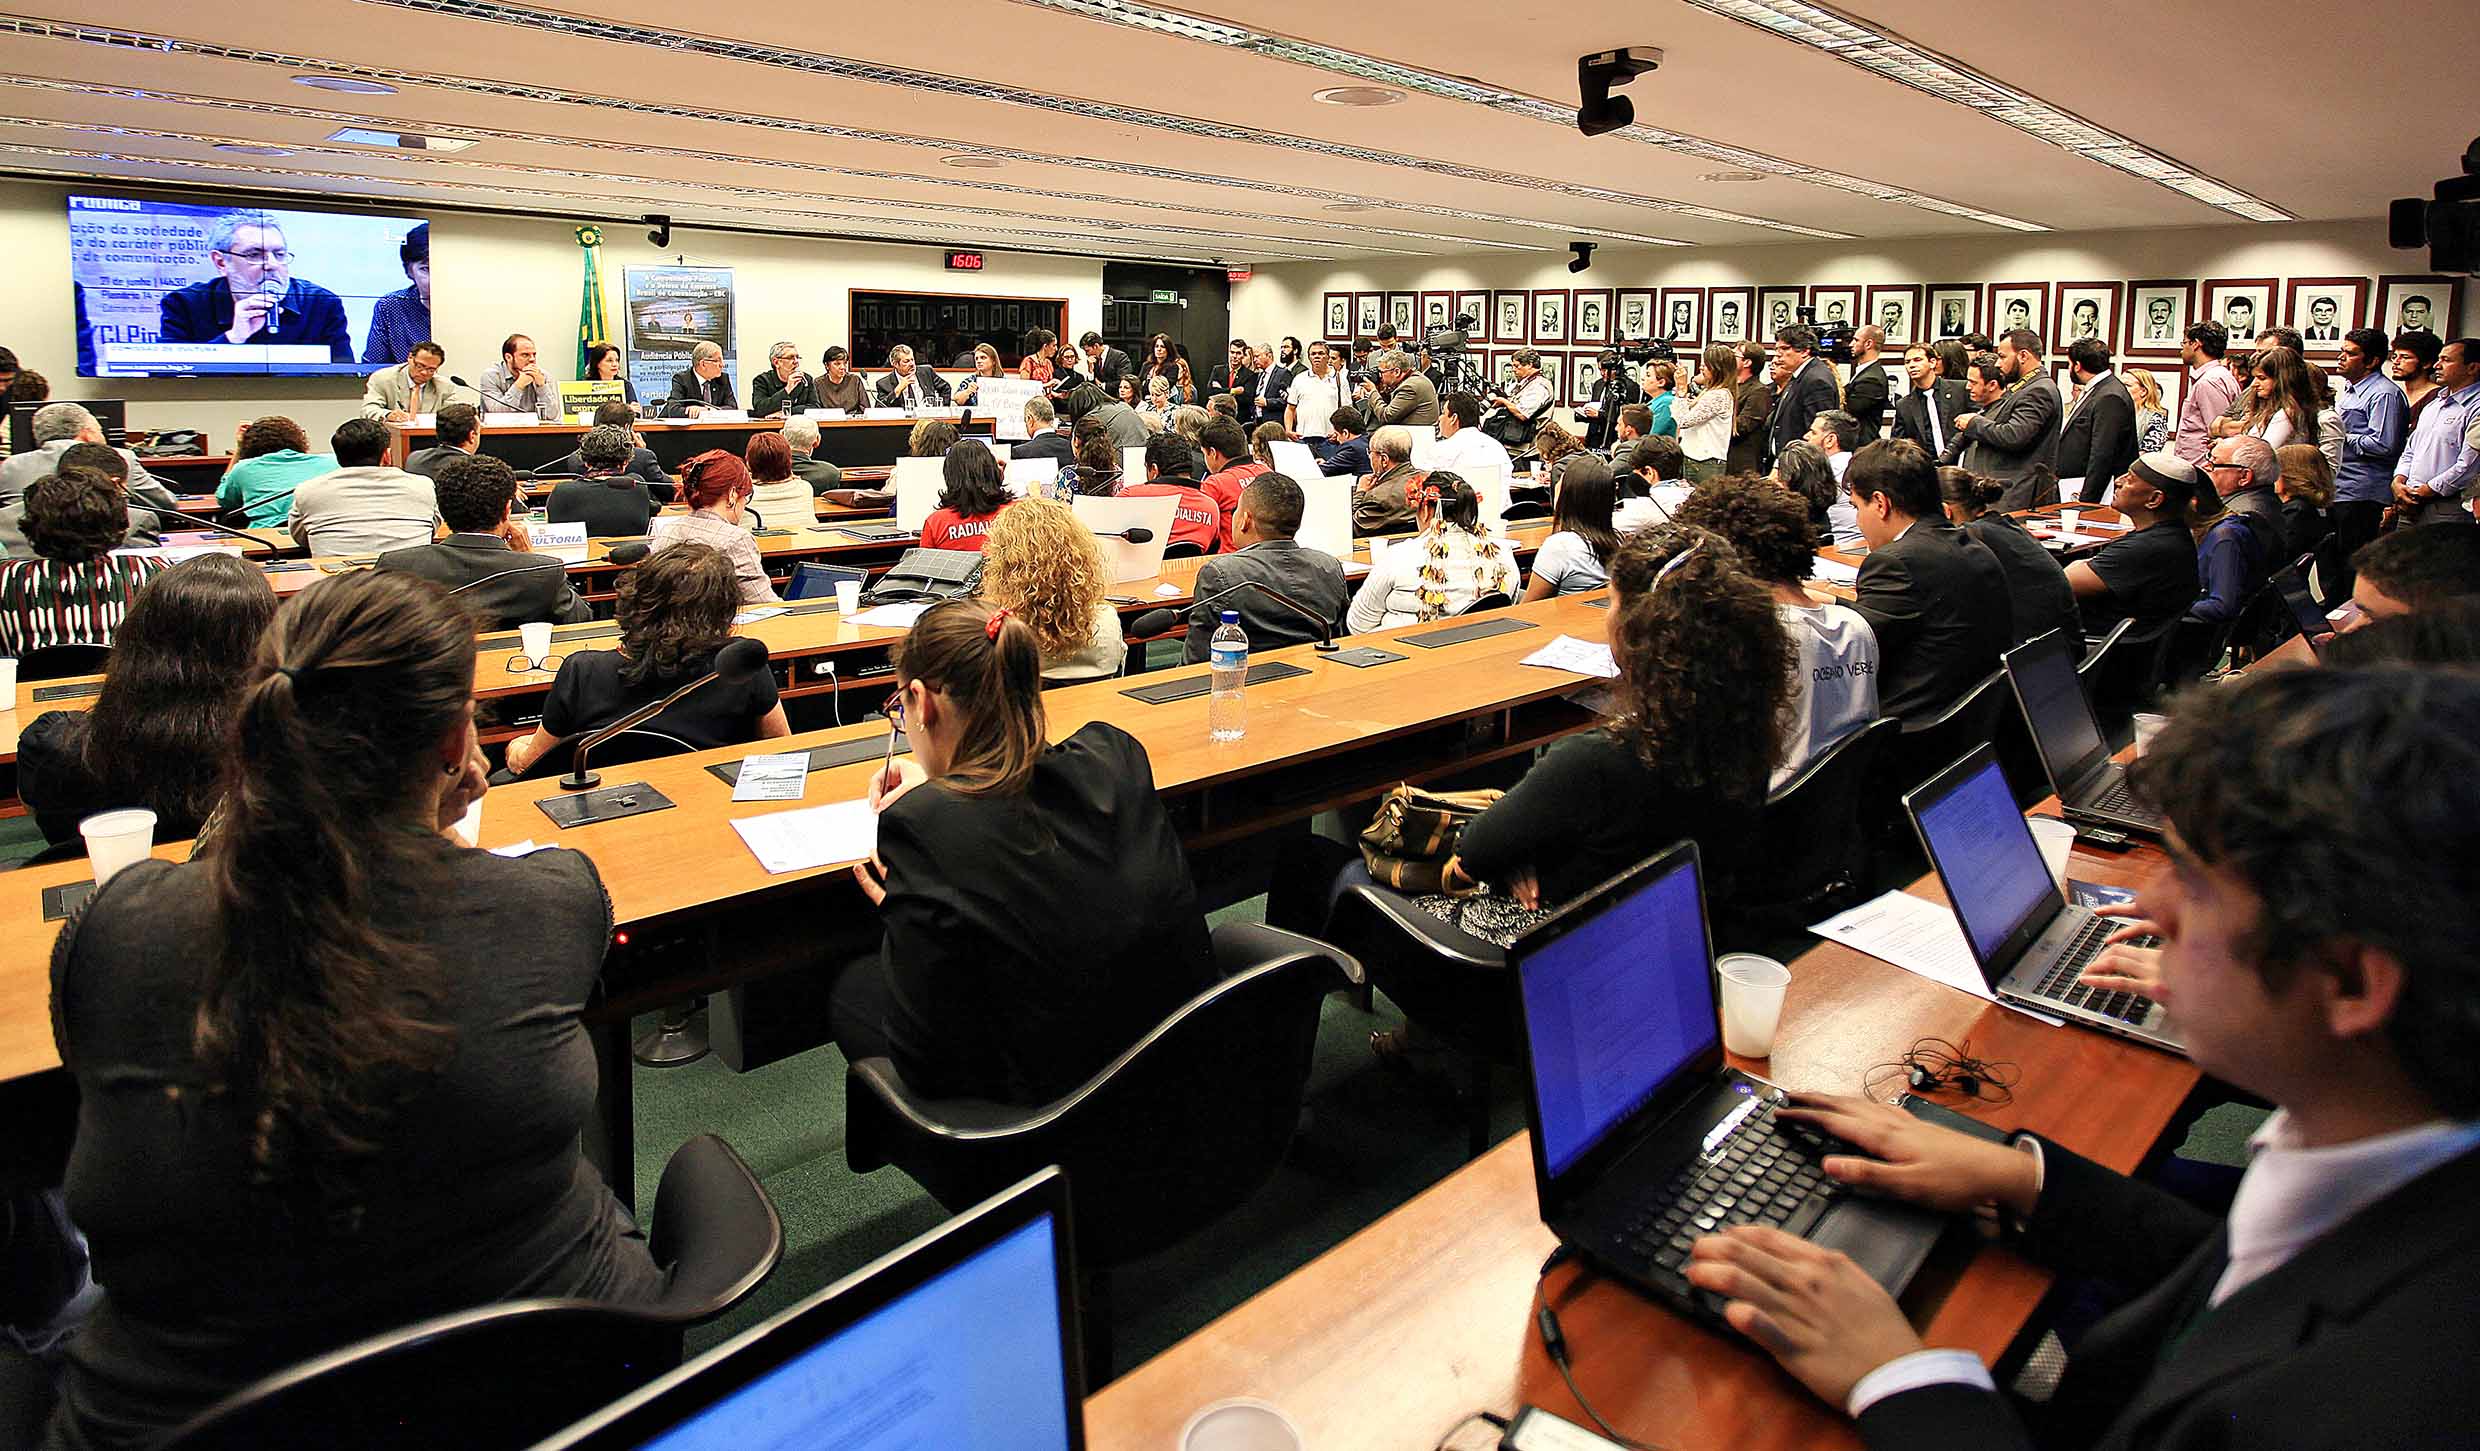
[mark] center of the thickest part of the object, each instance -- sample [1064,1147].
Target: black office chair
[506,1375]
[1497,599]
[1919,752]
[2122,675]
[1165,1139]
[1812,851]
[1183,549]
[1522,510]
[1451,983]
[58,662]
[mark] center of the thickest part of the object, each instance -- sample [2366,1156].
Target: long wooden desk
[845,442]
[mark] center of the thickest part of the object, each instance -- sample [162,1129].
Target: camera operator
[1398,394]
[1600,410]
[1516,412]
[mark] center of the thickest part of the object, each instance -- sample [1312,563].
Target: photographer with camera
[1615,390]
[1398,393]
[1516,412]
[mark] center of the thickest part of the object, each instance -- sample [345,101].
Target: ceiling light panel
[1535,108]
[1899,60]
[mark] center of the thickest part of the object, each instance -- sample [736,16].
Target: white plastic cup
[114,839]
[2069,518]
[8,682]
[848,597]
[2057,841]
[1240,1425]
[1752,999]
[536,641]
[2147,727]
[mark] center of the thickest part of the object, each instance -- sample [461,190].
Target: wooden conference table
[845,442]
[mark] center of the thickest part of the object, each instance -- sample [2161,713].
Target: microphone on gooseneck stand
[739,659]
[1155,622]
[204,523]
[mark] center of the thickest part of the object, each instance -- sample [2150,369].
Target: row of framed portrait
[2144,319]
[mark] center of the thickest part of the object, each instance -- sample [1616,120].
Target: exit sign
[964,261]
[1165,296]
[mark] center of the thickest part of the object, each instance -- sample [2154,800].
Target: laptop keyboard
[1766,1172]
[2060,983]
[2117,798]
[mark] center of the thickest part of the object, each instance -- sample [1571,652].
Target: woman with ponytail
[331,1072]
[1038,912]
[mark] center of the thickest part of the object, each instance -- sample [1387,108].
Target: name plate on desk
[556,536]
[1458,634]
[1171,690]
[722,415]
[821,758]
[424,420]
[510,420]
[584,808]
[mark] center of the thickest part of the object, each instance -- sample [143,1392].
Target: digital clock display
[964,261]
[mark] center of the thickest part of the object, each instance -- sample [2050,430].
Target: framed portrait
[1589,315]
[1511,316]
[1895,310]
[1836,305]
[1437,311]
[1778,308]
[1338,316]
[1502,368]
[1584,374]
[2086,310]
[1952,310]
[2323,309]
[1400,307]
[1682,316]
[1368,310]
[1727,311]
[2418,303]
[2245,305]
[1475,305]
[2170,378]
[1554,365]
[2158,312]
[1550,317]
[1635,314]
[2017,304]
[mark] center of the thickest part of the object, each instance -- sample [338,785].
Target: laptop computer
[2031,945]
[2306,613]
[2090,786]
[1642,1138]
[965,1334]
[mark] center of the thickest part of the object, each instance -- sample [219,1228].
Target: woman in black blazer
[2035,584]
[1039,917]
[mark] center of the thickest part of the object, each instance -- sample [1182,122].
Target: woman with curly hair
[1095,469]
[675,612]
[1040,563]
[270,461]
[75,590]
[1554,446]
[1439,571]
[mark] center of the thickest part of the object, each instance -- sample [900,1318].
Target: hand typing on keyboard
[2130,962]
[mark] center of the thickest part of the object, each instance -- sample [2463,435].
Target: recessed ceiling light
[973,163]
[1733,176]
[398,140]
[1357,96]
[347,84]
[235,148]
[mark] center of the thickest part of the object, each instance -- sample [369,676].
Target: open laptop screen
[1992,868]
[1614,1008]
[2062,720]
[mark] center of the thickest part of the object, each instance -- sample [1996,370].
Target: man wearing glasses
[253,298]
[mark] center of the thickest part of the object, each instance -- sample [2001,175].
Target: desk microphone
[739,659]
[203,523]
[1134,534]
[1155,622]
[546,563]
[629,553]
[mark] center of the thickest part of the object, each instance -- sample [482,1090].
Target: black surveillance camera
[1598,112]
[2448,224]
[1584,256]
[659,229]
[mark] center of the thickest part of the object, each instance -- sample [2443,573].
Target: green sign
[1165,295]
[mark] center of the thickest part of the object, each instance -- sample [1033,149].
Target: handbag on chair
[1408,844]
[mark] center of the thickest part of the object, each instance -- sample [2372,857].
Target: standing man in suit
[1803,388]
[2316,941]
[1935,595]
[1751,413]
[908,385]
[1236,377]
[1870,393]
[2009,438]
[1275,372]
[2098,441]
[1926,415]
[703,384]
[480,562]
[1103,364]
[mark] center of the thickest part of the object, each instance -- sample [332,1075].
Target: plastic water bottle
[1227,714]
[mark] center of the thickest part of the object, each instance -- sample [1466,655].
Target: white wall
[496,275]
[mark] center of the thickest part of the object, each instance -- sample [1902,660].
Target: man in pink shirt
[2210,387]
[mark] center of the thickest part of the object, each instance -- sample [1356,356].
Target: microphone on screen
[1134,534]
[275,315]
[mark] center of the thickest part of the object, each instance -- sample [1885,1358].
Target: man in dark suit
[1803,388]
[1236,377]
[1612,391]
[1103,363]
[703,384]
[2011,437]
[1926,415]
[908,384]
[1275,372]
[1263,531]
[499,586]
[1870,391]
[1044,436]
[643,465]
[2098,440]
[2317,943]
[1933,594]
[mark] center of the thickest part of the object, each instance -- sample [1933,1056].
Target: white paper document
[1919,936]
[760,612]
[519,848]
[894,617]
[1834,571]
[814,836]
[772,778]
[1584,657]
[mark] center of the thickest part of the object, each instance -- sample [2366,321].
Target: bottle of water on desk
[1227,714]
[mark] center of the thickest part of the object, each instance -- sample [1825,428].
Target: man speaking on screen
[254,297]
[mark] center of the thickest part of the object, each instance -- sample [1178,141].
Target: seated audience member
[1382,502]
[779,500]
[364,505]
[1189,422]
[974,493]
[74,590]
[1261,441]
[610,501]
[1095,469]
[1223,405]
[2235,545]
[155,737]
[1127,428]
[1196,518]
[1461,445]
[103,459]
[1835,434]
[1045,435]
[642,464]
[483,563]
[701,386]
[2304,482]
[1809,472]
[2035,583]
[1833,686]
[1704,667]
[1042,566]
[1269,553]
[1934,597]
[839,386]
[1576,556]
[2139,576]
[675,612]
[802,437]
[57,428]
[458,427]
[2445,634]
[333,1071]
[27,386]
[716,487]
[1441,569]
[2317,952]
[1553,446]
[2407,572]
[1342,452]
[1228,470]
[272,459]
[998,979]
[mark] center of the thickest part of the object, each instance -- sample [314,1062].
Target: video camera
[1455,337]
[2448,224]
[1833,338]
[1648,350]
